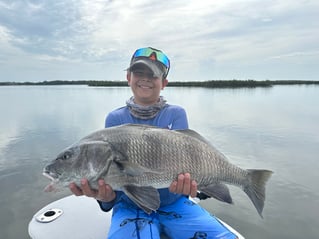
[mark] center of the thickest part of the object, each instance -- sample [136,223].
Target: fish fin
[138,126]
[147,198]
[133,169]
[218,191]
[194,134]
[255,189]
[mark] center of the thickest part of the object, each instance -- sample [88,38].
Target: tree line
[208,84]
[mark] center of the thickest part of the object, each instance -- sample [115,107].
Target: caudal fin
[255,189]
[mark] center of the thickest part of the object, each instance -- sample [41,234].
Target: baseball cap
[153,59]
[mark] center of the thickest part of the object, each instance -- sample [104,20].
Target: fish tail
[256,187]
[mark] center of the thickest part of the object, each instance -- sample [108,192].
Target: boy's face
[146,88]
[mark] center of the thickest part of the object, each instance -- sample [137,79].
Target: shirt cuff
[107,206]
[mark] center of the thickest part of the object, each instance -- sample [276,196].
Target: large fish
[140,159]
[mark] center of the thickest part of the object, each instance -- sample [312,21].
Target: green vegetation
[222,84]
[207,84]
[57,82]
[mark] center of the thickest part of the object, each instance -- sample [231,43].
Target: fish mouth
[54,180]
[52,176]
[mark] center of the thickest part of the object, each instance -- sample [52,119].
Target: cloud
[204,39]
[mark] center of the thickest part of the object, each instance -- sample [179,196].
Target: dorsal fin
[188,132]
[194,134]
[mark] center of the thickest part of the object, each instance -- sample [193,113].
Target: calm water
[275,128]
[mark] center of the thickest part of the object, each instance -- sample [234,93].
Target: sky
[45,40]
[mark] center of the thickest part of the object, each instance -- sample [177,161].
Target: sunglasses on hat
[153,54]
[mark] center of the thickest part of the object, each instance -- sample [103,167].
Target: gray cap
[158,70]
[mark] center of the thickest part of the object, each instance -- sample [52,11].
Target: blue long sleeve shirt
[169,117]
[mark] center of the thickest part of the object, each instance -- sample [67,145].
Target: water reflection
[275,128]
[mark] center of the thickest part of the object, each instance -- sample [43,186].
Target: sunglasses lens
[147,52]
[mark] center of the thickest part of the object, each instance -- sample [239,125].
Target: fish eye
[66,155]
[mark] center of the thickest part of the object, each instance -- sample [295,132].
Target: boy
[147,76]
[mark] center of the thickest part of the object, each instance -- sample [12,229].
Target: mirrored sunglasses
[153,54]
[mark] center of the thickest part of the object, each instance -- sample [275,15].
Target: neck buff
[145,112]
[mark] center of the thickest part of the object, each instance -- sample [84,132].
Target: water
[275,128]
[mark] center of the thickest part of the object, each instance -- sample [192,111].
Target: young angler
[178,217]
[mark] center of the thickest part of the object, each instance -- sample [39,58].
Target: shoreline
[205,84]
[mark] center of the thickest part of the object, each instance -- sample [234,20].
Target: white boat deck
[74,217]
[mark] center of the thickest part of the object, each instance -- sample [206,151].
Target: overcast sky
[205,40]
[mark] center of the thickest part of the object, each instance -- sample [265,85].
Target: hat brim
[157,72]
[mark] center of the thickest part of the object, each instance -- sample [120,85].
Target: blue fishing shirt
[169,117]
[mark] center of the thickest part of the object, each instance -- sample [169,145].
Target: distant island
[207,84]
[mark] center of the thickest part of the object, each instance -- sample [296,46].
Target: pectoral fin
[218,191]
[146,198]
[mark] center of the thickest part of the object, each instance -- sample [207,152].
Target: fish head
[83,160]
